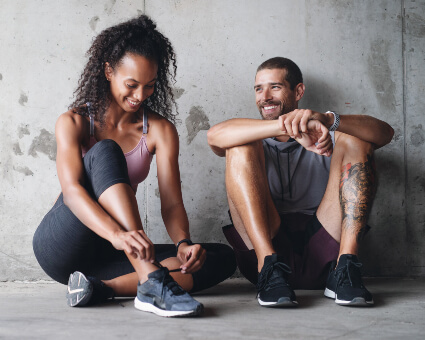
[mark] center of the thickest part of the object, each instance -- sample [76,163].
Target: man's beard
[276,115]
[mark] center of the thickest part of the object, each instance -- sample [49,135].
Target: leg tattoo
[356,192]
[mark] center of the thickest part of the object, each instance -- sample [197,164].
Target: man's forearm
[366,128]
[240,131]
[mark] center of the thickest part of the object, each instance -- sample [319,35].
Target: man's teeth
[269,107]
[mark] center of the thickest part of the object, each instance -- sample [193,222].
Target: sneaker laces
[264,278]
[169,282]
[344,272]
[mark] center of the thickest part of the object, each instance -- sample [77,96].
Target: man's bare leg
[349,195]
[251,206]
[257,221]
[343,212]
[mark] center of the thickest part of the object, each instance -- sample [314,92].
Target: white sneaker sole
[148,307]
[79,290]
[282,302]
[358,301]
[330,294]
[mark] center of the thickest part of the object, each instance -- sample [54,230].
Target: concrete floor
[39,311]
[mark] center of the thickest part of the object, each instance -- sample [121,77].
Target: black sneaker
[273,288]
[161,295]
[345,283]
[85,291]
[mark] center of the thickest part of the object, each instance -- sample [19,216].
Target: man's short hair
[293,72]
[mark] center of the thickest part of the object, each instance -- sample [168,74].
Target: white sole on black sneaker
[330,294]
[79,290]
[282,302]
[358,301]
[148,307]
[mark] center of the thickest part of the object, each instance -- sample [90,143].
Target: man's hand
[295,122]
[317,139]
[192,257]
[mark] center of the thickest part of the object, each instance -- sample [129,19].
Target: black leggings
[62,244]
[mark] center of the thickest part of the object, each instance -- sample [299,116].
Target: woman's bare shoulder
[72,122]
[161,133]
[158,122]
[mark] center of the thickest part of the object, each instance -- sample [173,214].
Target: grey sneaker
[85,291]
[161,295]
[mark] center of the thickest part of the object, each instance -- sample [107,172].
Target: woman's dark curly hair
[137,36]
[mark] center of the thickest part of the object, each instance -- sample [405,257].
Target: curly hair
[137,36]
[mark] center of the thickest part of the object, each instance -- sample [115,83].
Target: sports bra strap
[145,122]
[91,115]
[91,125]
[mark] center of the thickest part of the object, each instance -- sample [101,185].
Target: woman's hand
[192,257]
[135,243]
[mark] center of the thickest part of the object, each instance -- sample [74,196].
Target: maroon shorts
[304,245]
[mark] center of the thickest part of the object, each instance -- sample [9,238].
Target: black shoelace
[168,281]
[264,278]
[343,273]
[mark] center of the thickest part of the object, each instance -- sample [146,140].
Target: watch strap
[335,125]
[185,240]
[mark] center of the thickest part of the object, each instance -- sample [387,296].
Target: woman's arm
[70,131]
[172,207]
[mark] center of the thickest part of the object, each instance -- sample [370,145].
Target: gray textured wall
[356,56]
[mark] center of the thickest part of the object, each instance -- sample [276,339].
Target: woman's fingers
[195,256]
[199,263]
[136,243]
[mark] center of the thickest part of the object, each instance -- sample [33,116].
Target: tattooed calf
[356,192]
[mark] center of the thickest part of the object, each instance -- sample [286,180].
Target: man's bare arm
[240,131]
[366,128]
[236,132]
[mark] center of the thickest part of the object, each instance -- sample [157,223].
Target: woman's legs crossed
[219,265]
[63,244]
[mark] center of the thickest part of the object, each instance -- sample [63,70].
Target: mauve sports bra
[138,160]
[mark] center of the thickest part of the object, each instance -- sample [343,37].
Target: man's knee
[351,145]
[244,153]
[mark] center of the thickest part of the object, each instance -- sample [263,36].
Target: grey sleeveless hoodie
[297,177]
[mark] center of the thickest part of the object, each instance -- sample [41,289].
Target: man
[298,214]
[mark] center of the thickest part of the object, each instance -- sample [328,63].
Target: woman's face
[132,81]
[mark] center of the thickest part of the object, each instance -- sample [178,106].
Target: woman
[120,118]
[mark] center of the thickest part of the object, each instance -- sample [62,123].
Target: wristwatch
[335,125]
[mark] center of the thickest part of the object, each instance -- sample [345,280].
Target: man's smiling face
[273,94]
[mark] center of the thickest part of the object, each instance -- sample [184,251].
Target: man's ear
[299,91]
[109,71]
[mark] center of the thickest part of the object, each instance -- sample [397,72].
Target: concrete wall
[357,57]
